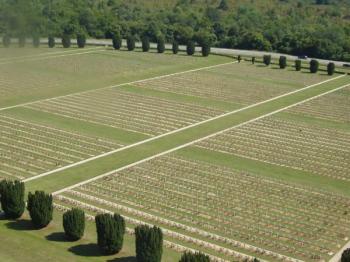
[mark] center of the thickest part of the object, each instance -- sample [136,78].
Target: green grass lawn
[54,76]
[24,243]
[33,80]
[91,169]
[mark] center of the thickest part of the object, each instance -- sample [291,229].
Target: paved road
[214,50]
[222,51]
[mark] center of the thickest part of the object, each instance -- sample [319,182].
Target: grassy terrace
[59,74]
[49,244]
[91,169]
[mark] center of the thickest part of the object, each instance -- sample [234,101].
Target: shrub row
[314,64]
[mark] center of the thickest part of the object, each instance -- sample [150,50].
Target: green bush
[175,47]
[330,68]
[116,40]
[191,48]
[314,66]
[74,224]
[51,41]
[206,49]
[346,255]
[6,40]
[160,44]
[145,44]
[21,41]
[66,41]
[283,62]
[12,198]
[40,208]
[110,233]
[194,257]
[267,60]
[81,40]
[298,65]
[36,41]
[130,42]
[149,244]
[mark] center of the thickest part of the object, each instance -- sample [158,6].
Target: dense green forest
[318,28]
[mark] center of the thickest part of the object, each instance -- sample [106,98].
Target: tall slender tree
[330,68]
[40,208]
[160,44]
[175,47]
[130,42]
[116,40]
[74,224]
[314,66]
[149,244]
[283,62]
[191,48]
[145,44]
[298,65]
[110,233]
[66,41]
[12,198]
[267,59]
[51,41]
[81,40]
[194,257]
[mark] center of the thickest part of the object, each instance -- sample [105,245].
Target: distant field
[232,159]
[42,77]
[207,200]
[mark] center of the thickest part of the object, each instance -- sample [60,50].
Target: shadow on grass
[123,259]
[57,237]
[21,225]
[86,250]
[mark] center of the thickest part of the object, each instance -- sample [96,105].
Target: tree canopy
[317,28]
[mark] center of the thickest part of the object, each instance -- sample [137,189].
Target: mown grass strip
[307,119]
[60,180]
[181,98]
[74,125]
[285,174]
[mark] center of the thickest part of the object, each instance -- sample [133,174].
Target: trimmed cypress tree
[40,208]
[116,40]
[345,257]
[12,198]
[130,42]
[74,224]
[161,44]
[194,257]
[149,244]
[206,49]
[66,41]
[298,65]
[267,60]
[145,44]
[21,41]
[6,40]
[110,233]
[314,66]
[36,41]
[191,48]
[253,60]
[81,40]
[283,62]
[175,47]
[51,42]
[330,68]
